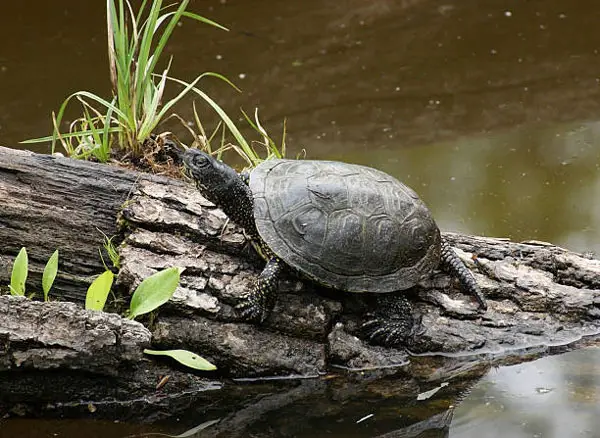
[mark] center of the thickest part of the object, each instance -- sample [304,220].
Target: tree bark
[51,203]
[539,295]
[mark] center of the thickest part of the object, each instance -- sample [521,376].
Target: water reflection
[336,406]
[553,397]
[74,429]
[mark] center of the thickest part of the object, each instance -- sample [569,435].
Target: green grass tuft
[128,121]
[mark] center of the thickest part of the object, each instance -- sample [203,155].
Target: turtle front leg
[454,265]
[256,305]
[392,323]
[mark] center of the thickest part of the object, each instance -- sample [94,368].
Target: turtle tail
[454,265]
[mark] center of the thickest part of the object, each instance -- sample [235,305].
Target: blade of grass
[269,144]
[95,136]
[151,118]
[89,95]
[222,114]
[204,20]
[145,64]
[199,125]
[112,61]
[177,98]
[175,18]
[283,135]
[106,132]
[111,130]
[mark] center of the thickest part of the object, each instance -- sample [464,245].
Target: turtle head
[212,177]
[221,185]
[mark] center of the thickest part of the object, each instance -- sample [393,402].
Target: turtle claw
[388,332]
[392,324]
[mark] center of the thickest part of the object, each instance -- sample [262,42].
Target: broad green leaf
[19,273]
[184,357]
[98,291]
[154,291]
[49,274]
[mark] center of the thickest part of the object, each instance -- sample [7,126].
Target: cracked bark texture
[539,295]
[50,203]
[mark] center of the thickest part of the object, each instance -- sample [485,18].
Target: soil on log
[539,295]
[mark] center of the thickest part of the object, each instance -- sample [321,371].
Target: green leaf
[184,357]
[19,274]
[154,291]
[49,274]
[98,291]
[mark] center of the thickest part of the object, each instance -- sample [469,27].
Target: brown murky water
[490,109]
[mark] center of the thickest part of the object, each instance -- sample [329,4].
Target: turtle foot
[392,324]
[388,333]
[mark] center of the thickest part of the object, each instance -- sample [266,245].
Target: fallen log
[539,295]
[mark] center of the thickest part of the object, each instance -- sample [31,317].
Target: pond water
[553,397]
[490,110]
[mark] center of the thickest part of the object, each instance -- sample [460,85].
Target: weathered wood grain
[49,203]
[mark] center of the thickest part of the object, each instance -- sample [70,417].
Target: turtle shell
[345,226]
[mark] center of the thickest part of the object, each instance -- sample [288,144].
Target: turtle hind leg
[392,323]
[454,265]
[256,305]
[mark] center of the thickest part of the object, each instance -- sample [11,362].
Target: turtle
[344,226]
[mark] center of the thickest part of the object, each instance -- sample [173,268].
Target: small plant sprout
[154,291]
[184,357]
[111,250]
[19,274]
[49,275]
[95,299]
[124,126]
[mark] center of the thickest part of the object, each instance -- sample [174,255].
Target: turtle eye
[202,160]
